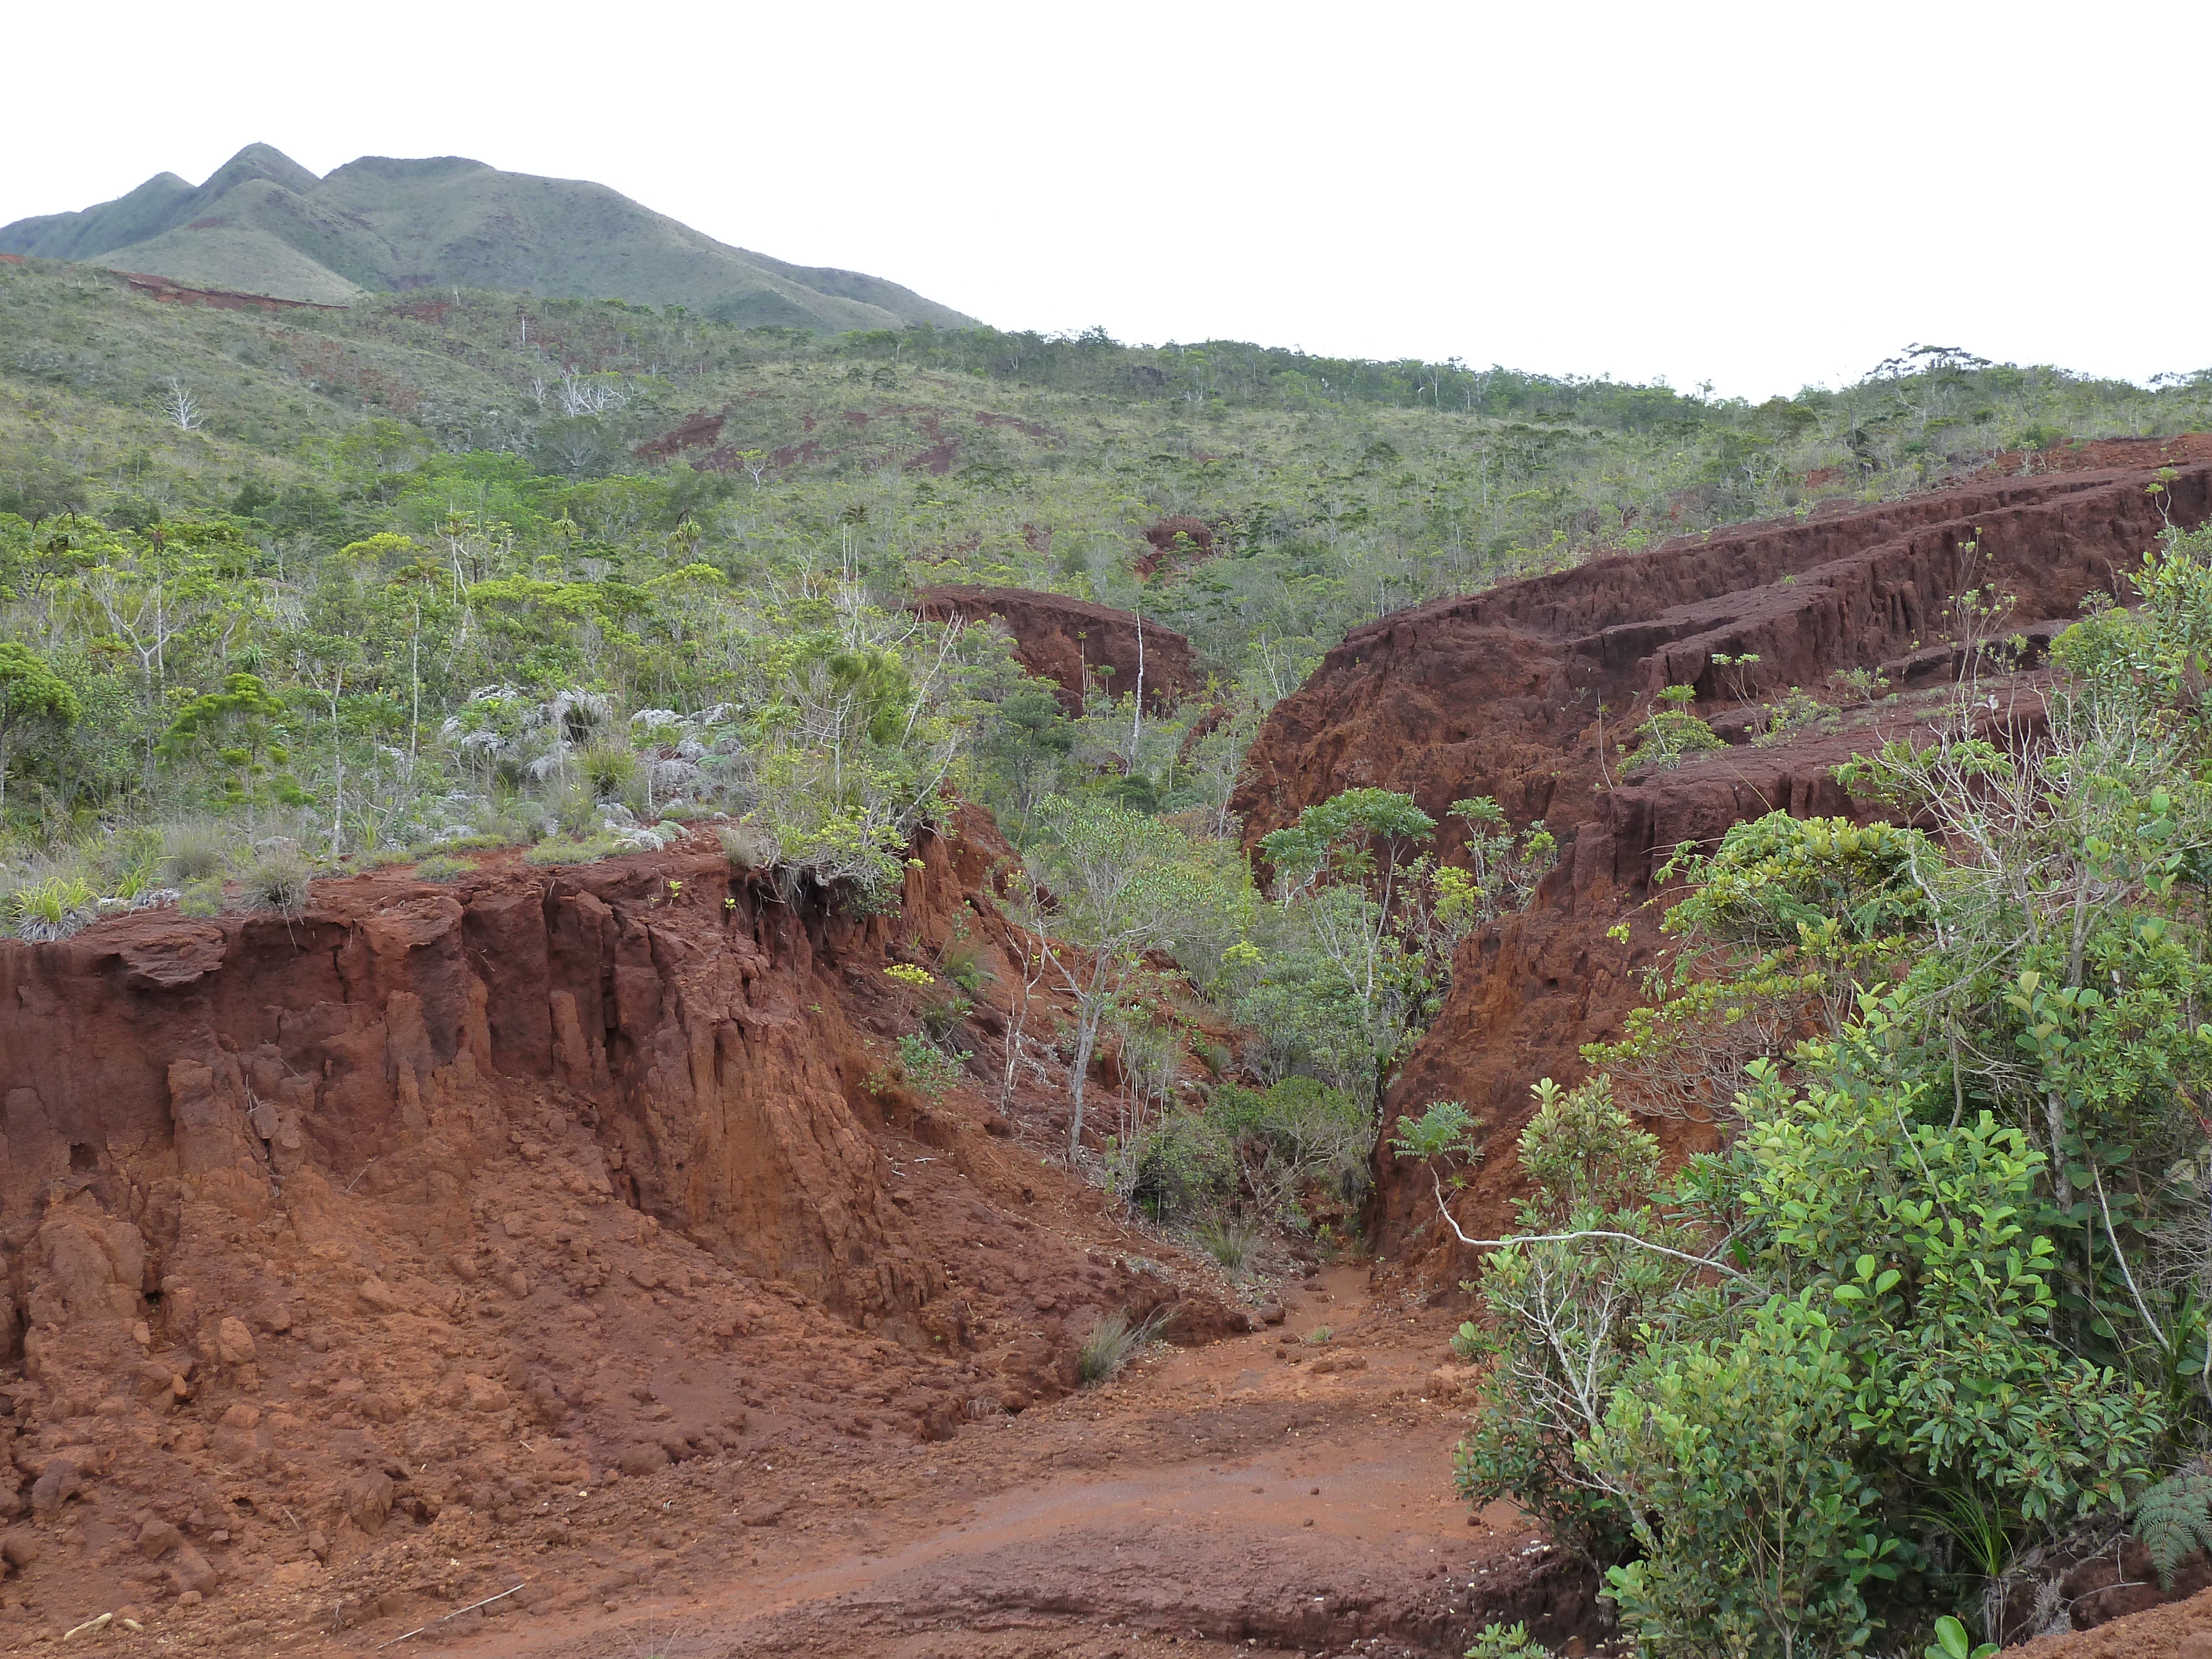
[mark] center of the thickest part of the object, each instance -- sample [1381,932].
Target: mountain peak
[263,224]
[259,161]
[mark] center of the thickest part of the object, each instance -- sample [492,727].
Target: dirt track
[1261,1493]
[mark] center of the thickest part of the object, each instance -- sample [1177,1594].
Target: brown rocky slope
[1525,693]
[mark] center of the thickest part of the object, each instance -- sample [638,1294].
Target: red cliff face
[433,1189]
[1499,695]
[1069,640]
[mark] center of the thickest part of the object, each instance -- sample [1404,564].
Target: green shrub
[1951,1642]
[438,867]
[482,841]
[1798,711]
[1768,1534]
[608,770]
[132,862]
[201,898]
[929,1068]
[963,965]
[1318,1336]
[1671,733]
[1295,1134]
[1507,1642]
[1582,1152]
[47,906]
[279,881]
[1182,1164]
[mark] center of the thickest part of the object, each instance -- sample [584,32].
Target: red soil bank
[445,1201]
[1196,544]
[1068,640]
[1498,694]
[161,288]
[701,431]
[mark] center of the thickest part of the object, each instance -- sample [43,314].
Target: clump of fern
[2174,1519]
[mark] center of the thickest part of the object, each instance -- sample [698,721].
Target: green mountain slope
[263,224]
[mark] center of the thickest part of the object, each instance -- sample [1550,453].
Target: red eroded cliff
[1510,694]
[435,1198]
[1069,640]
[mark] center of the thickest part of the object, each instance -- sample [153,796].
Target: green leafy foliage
[1951,1642]
[1672,732]
[1507,1642]
[1769,1535]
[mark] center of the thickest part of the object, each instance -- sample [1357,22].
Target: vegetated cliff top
[263,224]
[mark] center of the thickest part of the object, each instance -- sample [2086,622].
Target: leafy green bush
[201,898]
[928,1068]
[1585,1155]
[1671,733]
[1768,1535]
[1291,1136]
[1507,1642]
[1951,1642]
[1180,1165]
[1798,712]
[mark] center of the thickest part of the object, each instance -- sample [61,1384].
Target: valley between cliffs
[551,1261]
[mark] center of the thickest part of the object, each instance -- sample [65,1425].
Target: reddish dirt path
[1259,1493]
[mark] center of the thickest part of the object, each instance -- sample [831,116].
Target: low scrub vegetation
[1939,1299]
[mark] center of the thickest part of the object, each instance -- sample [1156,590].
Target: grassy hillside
[426,526]
[263,224]
[1340,490]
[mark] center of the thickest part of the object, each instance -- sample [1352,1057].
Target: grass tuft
[1232,1243]
[196,852]
[1110,1343]
[566,849]
[279,881]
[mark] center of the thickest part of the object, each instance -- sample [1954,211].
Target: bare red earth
[173,293]
[701,431]
[1175,544]
[1069,641]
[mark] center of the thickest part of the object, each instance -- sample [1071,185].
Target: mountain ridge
[262,223]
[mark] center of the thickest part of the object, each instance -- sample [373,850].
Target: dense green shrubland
[1942,1296]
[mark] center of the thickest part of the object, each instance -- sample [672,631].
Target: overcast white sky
[1756,195]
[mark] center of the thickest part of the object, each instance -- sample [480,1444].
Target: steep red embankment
[1499,695]
[1069,641]
[340,1251]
